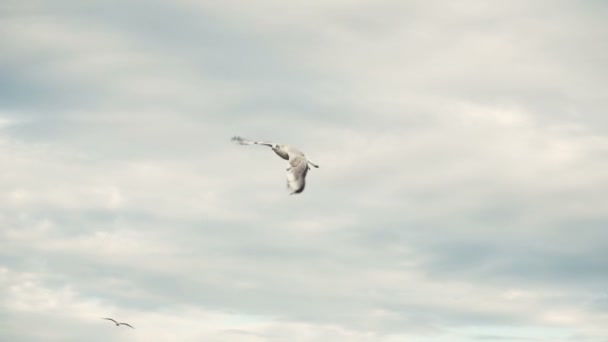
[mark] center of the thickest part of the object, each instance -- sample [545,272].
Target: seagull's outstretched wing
[296,174]
[127,324]
[110,319]
[243,141]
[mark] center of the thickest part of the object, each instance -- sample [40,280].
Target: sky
[461,194]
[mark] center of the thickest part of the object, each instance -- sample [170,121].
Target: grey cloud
[461,182]
[503,338]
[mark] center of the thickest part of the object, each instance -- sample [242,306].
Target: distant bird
[298,165]
[117,324]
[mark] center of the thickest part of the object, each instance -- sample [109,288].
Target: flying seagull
[117,323]
[297,167]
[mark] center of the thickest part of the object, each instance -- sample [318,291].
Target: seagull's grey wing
[110,319]
[127,324]
[295,152]
[296,173]
[243,141]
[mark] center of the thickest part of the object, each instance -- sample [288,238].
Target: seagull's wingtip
[239,140]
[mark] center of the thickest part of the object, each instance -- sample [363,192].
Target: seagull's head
[281,150]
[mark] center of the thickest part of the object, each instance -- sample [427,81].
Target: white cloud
[460,195]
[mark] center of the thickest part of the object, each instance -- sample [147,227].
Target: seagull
[117,324]
[298,165]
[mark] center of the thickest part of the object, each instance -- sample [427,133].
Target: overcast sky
[461,194]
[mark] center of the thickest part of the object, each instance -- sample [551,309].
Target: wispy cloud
[460,196]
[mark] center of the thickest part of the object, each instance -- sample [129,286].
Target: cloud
[460,195]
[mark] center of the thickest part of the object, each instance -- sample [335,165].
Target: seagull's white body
[297,167]
[118,323]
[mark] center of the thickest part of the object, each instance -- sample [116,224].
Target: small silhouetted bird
[117,323]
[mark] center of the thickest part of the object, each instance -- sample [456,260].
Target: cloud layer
[461,194]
